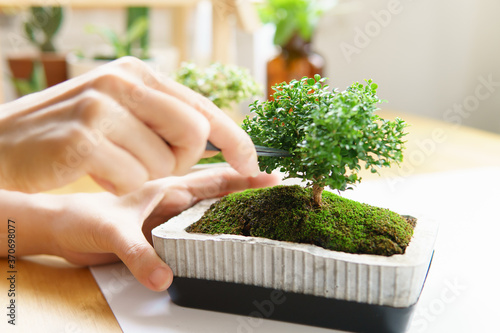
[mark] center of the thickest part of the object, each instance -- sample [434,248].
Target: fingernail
[160,278]
[255,163]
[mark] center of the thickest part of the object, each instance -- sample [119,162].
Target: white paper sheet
[461,293]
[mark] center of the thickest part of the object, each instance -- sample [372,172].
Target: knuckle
[71,133]
[103,234]
[124,88]
[203,105]
[133,67]
[129,63]
[200,132]
[70,145]
[136,252]
[108,80]
[75,133]
[88,107]
[139,70]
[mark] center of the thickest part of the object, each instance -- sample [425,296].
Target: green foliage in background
[35,83]
[135,41]
[328,133]
[224,85]
[42,25]
[293,17]
[141,43]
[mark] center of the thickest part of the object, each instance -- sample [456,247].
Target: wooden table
[54,296]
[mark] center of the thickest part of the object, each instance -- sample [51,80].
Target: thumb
[142,261]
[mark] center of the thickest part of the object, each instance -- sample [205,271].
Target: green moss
[287,213]
[214,159]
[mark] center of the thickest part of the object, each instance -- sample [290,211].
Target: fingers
[183,128]
[141,259]
[126,112]
[168,118]
[131,134]
[115,169]
[133,248]
[124,153]
[235,144]
[108,144]
[217,182]
[99,227]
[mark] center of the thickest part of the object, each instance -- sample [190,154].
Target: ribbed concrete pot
[294,282]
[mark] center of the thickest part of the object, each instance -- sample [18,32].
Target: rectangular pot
[326,288]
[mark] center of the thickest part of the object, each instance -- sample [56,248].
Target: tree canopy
[329,133]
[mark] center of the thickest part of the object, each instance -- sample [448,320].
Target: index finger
[235,144]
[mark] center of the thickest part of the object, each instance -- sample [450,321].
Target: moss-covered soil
[214,159]
[287,213]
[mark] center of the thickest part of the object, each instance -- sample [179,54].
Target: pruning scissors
[261,150]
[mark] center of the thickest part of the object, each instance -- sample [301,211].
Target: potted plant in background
[295,22]
[36,81]
[302,254]
[40,28]
[225,85]
[134,42]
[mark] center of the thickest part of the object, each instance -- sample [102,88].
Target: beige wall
[429,57]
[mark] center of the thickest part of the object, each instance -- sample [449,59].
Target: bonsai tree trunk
[317,191]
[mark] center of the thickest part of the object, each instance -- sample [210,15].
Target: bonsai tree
[329,133]
[42,25]
[224,85]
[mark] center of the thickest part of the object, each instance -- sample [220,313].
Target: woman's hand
[101,228]
[112,123]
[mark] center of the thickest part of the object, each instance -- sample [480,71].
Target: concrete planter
[316,286]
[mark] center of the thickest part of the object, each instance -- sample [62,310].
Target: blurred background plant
[293,17]
[34,72]
[224,85]
[34,83]
[135,40]
[295,22]
[42,26]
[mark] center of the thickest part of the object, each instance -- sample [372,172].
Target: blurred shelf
[98,4]
[222,10]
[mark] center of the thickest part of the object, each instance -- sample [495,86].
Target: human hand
[111,123]
[101,228]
